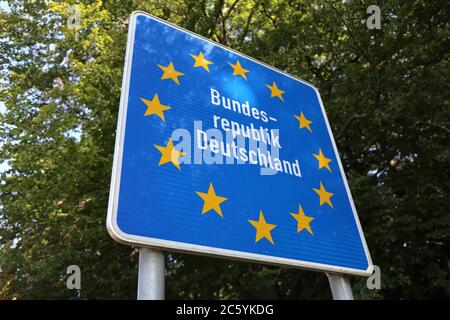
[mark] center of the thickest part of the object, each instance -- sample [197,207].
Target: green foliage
[387,96]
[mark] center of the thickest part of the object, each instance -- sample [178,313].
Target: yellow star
[200,61]
[323,161]
[211,200]
[238,70]
[324,195]
[303,122]
[155,107]
[169,154]
[303,220]
[170,73]
[262,228]
[275,91]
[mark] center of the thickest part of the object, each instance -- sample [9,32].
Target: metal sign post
[151,275]
[340,287]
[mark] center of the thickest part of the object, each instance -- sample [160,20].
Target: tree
[385,92]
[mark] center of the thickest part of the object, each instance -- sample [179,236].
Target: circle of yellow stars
[211,200]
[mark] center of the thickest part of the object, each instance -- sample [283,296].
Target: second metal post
[340,287]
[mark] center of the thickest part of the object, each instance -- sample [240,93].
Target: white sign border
[122,237]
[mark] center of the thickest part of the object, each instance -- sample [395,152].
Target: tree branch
[247,26]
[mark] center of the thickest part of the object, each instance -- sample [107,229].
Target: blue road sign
[220,154]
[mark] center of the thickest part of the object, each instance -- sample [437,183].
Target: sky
[4,6]
[3,166]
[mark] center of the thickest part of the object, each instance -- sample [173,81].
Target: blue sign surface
[219,154]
